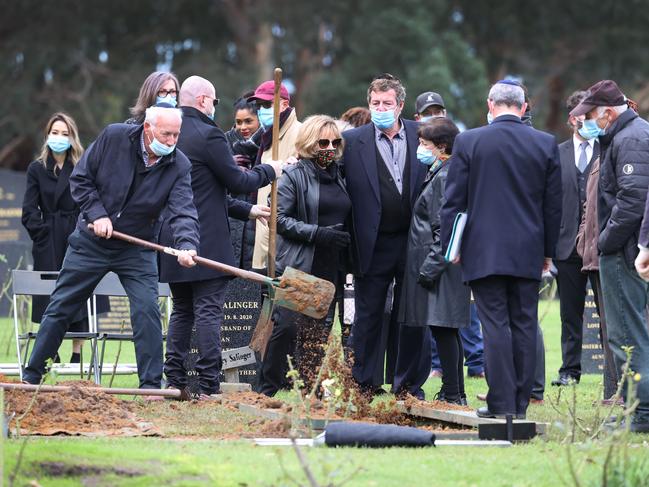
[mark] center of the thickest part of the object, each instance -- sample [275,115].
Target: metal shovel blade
[304,293]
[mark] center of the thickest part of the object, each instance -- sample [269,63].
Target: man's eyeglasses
[324,143]
[164,93]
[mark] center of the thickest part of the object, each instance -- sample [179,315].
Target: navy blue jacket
[507,176]
[101,181]
[214,172]
[362,179]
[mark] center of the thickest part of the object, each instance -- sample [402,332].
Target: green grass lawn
[199,461]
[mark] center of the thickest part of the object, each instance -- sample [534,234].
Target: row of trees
[89,57]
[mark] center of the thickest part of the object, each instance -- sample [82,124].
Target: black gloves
[426,282]
[431,270]
[332,236]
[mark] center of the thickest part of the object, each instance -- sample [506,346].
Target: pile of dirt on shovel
[83,410]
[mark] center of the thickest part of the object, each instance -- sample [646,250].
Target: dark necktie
[583,161]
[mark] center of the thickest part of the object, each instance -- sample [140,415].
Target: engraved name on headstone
[241,310]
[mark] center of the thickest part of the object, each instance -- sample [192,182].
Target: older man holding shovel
[123,181]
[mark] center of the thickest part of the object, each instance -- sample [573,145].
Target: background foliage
[89,57]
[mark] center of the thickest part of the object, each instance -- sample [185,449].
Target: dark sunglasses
[324,143]
[164,93]
[264,103]
[215,101]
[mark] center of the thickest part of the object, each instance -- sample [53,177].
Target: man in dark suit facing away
[383,178]
[199,292]
[507,177]
[576,155]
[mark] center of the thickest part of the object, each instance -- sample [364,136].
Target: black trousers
[451,356]
[508,310]
[196,304]
[86,263]
[571,286]
[370,292]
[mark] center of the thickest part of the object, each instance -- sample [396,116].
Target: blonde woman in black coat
[49,212]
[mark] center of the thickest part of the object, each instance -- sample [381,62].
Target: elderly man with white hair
[124,180]
[507,177]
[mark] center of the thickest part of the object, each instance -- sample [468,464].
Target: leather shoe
[484,412]
[565,380]
[441,396]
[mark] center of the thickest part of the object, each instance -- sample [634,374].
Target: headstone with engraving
[241,310]
[15,244]
[592,354]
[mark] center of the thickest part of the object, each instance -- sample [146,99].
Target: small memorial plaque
[592,354]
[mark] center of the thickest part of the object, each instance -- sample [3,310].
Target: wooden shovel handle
[212,264]
[272,224]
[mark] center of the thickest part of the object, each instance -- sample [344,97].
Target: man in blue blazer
[383,179]
[198,293]
[507,177]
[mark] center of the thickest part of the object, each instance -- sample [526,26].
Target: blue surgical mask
[425,119]
[58,143]
[490,118]
[383,120]
[590,129]
[160,149]
[265,116]
[166,99]
[425,156]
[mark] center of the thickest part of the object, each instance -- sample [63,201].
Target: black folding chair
[110,285]
[42,283]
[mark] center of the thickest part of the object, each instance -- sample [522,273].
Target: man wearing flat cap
[624,177]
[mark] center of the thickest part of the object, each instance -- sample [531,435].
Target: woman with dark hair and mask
[312,210]
[434,295]
[244,139]
[158,87]
[49,212]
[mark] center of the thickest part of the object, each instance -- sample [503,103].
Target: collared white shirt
[577,147]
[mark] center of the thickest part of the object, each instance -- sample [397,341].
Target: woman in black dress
[312,209]
[433,295]
[49,212]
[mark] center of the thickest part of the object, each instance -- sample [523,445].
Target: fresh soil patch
[83,410]
[60,469]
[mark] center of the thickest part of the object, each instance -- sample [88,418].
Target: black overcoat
[50,216]
[447,304]
[507,177]
[214,172]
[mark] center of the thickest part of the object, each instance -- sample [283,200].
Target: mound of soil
[83,410]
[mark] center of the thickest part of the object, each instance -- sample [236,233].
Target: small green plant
[620,468]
